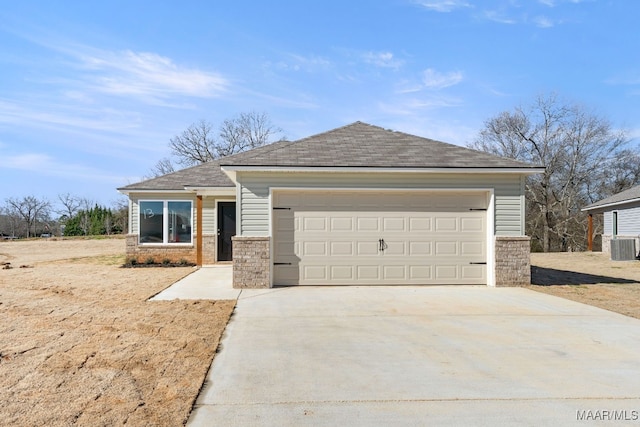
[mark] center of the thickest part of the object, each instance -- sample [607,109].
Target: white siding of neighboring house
[628,220]
[255,188]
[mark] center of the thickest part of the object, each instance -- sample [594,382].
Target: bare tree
[31,210]
[85,210]
[120,208]
[201,143]
[244,132]
[70,205]
[162,167]
[573,144]
[194,145]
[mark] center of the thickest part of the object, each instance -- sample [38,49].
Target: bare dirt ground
[80,345]
[589,277]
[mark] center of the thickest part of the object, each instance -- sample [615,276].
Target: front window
[165,221]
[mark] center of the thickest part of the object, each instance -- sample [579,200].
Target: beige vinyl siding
[208,215]
[254,191]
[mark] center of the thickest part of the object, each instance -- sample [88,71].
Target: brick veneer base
[160,253]
[513,261]
[251,262]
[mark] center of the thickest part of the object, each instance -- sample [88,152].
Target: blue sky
[91,92]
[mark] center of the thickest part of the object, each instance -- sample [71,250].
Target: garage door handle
[281,263]
[478,263]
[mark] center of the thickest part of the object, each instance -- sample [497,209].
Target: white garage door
[379,238]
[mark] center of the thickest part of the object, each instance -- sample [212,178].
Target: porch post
[590,232]
[199,231]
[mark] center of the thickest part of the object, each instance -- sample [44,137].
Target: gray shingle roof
[632,194]
[363,145]
[355,145]
[205,175]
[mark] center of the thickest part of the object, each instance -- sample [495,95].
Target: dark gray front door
[226,229]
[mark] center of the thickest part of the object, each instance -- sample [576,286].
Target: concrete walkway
[209,282]
[379,356]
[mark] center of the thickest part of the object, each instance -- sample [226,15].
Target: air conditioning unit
[623,249]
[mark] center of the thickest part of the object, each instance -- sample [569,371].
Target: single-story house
[357,205]
[621,217]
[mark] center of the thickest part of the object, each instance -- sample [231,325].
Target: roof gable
[356,145]
[364,145]
[627,196]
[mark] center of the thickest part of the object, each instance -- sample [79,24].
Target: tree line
[585,159]
[30,216]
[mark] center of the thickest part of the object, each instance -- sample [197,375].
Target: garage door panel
[420,225]
[368,273]
[446,248]
[340,223]
[472,249]
[314,272]
[367,248]
[342,273]
[394,248]
[367,224]
[429,239]
[314,224]
[472,272]
[393,224]
[421,273]
[341,249]
[446,224]
[471,225]
[421,249]
[314,249]
[394,272]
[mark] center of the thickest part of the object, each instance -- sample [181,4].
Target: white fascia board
[232,169]
[133,190]
[212,191]
[231,173]
[201,191]
[608,205]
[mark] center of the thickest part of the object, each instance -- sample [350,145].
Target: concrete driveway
[364,356]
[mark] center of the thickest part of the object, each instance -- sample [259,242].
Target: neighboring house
[358,205]
[621,217]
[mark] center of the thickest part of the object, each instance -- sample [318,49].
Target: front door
[226,229]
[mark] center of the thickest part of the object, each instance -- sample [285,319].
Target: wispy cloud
[543,22]
[382,59]
[443,5]
[625,78]
[297,62]
[148,74]
[433,79]
[499,17]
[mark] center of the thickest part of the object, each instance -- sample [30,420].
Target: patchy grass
[80,343]
[590,278]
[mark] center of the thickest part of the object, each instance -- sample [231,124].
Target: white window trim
[165,222]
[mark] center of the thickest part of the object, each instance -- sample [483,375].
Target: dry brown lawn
[81,345]
[589,277]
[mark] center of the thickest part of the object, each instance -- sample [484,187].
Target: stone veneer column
[606,243]
[251,262]
[513,261]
